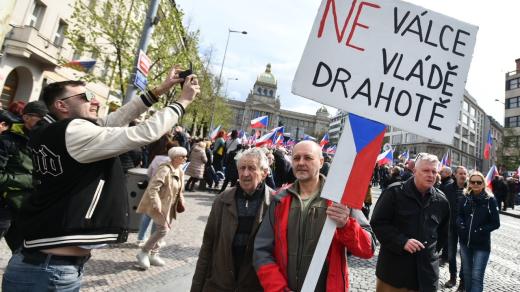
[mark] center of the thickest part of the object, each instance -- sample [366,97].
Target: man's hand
[169,82]
[190,89]
[413,246]
[339,214]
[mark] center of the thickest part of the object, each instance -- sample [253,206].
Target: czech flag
[386,157]
[445,161]
[213,134]
[353,166]
[325,140]
[331,150]
[490,175]
[260,122]
[405,155]
[84,66]
[279,140]
[270,137]
[489,143]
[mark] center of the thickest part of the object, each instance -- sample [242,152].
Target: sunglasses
[87,95]
[476,182]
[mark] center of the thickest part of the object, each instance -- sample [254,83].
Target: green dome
[267,77]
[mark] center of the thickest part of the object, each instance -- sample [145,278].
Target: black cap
[8,117]
[35,108]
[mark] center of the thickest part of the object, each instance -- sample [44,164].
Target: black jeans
[453,240]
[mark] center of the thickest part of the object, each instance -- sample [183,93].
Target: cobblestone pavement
[113,268]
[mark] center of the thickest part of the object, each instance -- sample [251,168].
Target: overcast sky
[278,31]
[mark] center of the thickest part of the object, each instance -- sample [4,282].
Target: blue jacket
[477,217]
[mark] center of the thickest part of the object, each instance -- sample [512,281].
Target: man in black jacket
[80,201]
[411,221]
[454,193]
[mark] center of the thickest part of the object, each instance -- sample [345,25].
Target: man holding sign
[411,221]
[287,238]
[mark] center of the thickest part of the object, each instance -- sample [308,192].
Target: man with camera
[80,200]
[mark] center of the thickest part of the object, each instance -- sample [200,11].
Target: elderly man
[289,233]
[80,202]
[225,257]
[411,221]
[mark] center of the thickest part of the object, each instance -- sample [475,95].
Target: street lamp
[227,84]
[496,99]
[220,75]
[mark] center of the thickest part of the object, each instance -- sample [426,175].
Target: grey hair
[177,151]
[460,167]
[426,157]
[447,169]
[256,153]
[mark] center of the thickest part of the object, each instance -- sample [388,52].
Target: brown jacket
[215,269]
[198,160]
[163,191]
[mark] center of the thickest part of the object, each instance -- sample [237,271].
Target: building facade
[263,101]
[511,151]
[337,123]
[35,48]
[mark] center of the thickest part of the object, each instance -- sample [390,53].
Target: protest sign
[389,61]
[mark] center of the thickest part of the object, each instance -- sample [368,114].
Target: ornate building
[262,101]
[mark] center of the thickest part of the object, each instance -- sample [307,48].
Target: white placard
[389,61]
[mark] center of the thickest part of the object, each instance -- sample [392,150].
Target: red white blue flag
[213,134]
[360,143]
[387,157]
[260,122]
[325,140]
[270,137]
[489,144]
[490,176]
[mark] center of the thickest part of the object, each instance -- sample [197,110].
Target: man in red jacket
[287,238]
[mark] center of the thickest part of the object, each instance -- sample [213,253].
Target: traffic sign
[143,63]
[140,80]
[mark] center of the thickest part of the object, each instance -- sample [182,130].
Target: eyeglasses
[87,95]
[476,182]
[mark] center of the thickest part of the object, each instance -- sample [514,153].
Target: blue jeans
[474,264]
[145,222]
[24,277]
[453,240]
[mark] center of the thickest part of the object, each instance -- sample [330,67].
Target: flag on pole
[325,140]
[331,149]
[85,65]
[387,157]
[405,155]
[445,161]
[214,133]
[490,175]
[260,122]
[489,143]
[270,137]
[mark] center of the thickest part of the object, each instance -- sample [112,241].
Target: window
[513,83]
[59,36]
[36,17]
[472,124]
[512,122]
[511,141]
[456,143]
[472,111]
[471,150]
[465,133]
[472,137]
[464,147]
[457,129]
[465,119]
[396,139]
[465,106]
[513,102]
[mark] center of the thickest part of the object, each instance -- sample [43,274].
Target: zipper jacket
[280,261]
[477,217]
[80,191]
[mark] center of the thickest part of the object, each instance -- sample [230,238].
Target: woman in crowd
[219,150]
[162,200]
[477,217]
[226,254]
[197,164]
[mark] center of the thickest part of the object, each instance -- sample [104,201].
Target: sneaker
[143,259]
[161,243]
[155,260]
[140,243]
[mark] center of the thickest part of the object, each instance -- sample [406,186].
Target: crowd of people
[64,195]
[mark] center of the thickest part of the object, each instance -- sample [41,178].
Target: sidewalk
[513,213]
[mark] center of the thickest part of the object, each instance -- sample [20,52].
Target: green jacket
[15,166]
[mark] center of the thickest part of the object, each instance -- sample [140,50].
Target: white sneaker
[155,260]
[143,259]
[140,243]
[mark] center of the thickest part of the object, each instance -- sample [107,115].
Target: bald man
[289,233]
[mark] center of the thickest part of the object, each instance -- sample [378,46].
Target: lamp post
[498,100]
[227,84]
[220,75]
